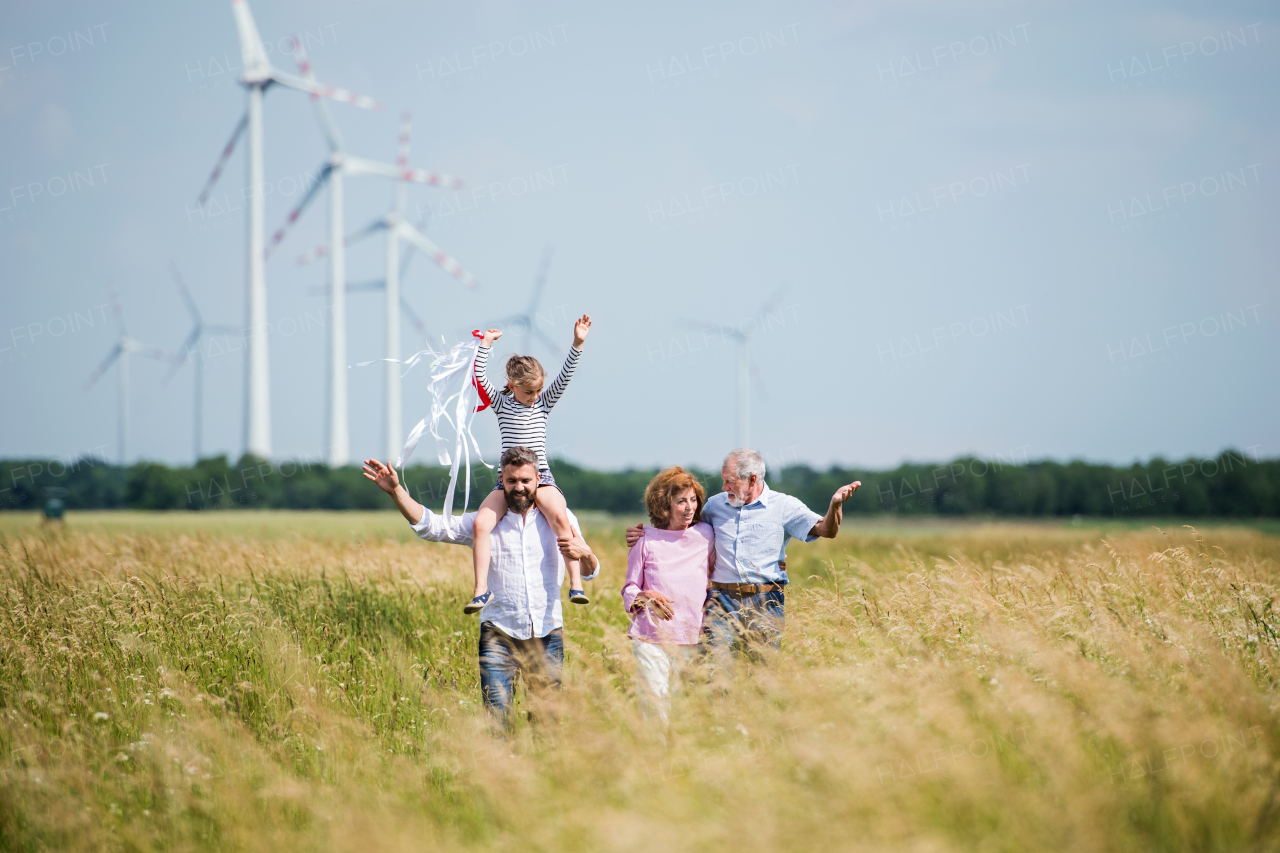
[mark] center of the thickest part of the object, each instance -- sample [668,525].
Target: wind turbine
[396,228]
[257,77]
[337,165]
[747,369]
[119,355]
[198,330]
[394,408]
[528,318]
[373,284]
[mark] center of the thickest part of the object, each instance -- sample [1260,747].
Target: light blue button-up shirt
[750,540]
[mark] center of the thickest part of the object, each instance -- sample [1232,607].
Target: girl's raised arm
[482,363]
[552,394]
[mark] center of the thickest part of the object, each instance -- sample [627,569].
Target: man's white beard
[735,501]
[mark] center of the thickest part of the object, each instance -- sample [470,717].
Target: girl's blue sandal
[478,603]
[577,596]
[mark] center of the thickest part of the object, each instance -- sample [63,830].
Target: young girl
[522,409]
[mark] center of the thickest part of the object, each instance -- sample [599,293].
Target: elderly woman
[668,572]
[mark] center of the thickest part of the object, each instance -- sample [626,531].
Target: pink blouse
[677,563]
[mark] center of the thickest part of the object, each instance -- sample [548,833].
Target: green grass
[305,680]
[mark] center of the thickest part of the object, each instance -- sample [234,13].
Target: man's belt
[747,588]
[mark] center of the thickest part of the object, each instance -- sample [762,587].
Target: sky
[1005,229]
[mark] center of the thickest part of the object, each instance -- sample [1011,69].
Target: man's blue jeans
[750,623]
[541,660]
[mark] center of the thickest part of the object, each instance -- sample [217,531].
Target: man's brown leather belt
[747,588]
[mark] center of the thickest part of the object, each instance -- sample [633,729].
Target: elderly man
[521,626]
[745,606]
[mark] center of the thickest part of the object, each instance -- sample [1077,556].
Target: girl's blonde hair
[523,370]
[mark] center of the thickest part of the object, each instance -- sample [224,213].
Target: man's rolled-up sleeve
[434,528]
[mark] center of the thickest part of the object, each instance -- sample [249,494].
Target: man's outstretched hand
[383,475]
[845,492]
[634,535]
[829,525]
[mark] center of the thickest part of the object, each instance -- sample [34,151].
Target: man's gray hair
[745,462]
[519,457]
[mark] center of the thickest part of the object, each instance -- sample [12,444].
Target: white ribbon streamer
[448,370]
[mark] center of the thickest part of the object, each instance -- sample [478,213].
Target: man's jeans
[745,622]
[540,659]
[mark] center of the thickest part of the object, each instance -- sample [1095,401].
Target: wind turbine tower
[198,331]
[747,369]
[528,319]
[119,355]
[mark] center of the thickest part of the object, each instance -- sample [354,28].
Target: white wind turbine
[198,331]
[119,355]
[528,319]
[257,77]
[338,164]
[374,284]
[747,369]
[393,404]
[396,228]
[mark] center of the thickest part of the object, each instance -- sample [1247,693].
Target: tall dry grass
[231,683]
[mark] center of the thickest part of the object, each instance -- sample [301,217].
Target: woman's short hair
[663,488]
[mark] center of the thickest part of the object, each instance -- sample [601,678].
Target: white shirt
[526,569]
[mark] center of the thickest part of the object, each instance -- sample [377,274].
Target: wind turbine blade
[321,178]
[448,264]
[147,351]
[251,49]
[541,281]
[323,249]
[184,355]
[222,160]
[102,368]
[333,93]
[316,254]
[435,179]
[361,166]
[186,294]
[369,230]
[320,106]
[405,257]
[406,129]
[402,162]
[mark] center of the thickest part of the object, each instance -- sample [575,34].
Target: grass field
[271,681]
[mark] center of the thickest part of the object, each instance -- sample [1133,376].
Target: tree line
[1232,484]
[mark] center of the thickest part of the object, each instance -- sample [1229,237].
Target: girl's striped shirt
[521,425]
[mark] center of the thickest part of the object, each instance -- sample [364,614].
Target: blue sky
[1043,230]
